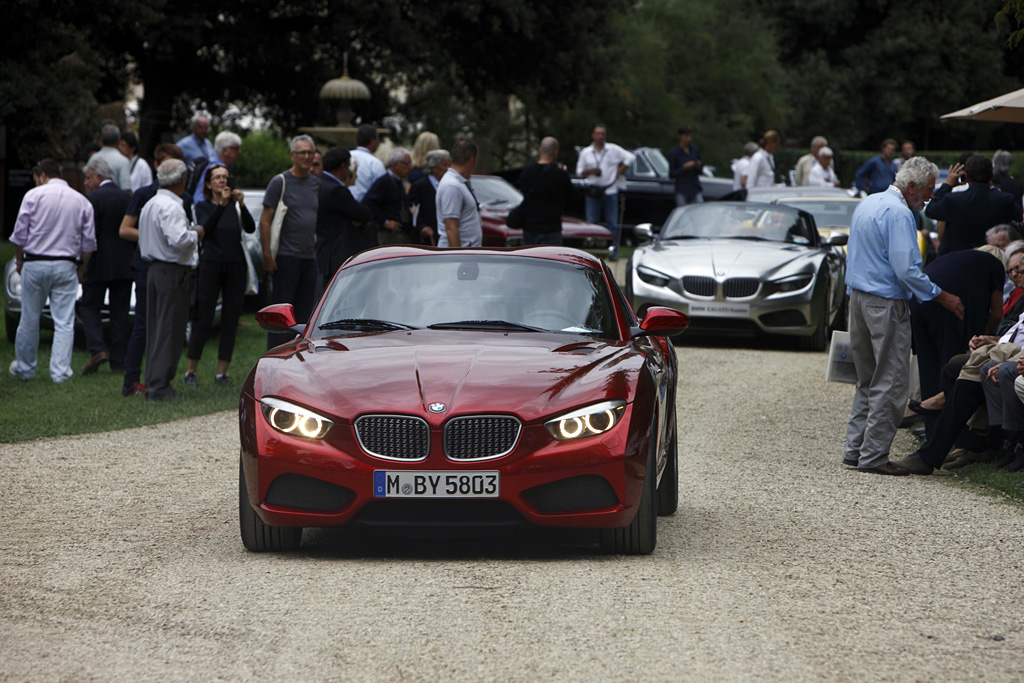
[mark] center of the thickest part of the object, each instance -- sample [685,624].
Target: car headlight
[589,421]
[652,277]
[295,420]
[793,284]
[14,284]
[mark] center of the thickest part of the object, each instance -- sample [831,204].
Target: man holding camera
[602,165]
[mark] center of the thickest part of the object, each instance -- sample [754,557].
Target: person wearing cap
[821,173]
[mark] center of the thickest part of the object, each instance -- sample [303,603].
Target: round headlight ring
[274,420]
[571,435]
[304,423]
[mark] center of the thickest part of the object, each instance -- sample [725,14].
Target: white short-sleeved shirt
[370,168]
[762,170]
[740,168]
[608,160]
[141,174]
[454,200]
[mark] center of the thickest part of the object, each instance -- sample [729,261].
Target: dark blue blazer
[113,257]
[969,214]
[336,237]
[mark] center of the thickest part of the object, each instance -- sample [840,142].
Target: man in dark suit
[423,192]
[344,227]
[110,270]
[968,215]
[388,201]
[1001,163]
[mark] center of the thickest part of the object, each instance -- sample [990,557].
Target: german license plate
[717,309]
[435,484]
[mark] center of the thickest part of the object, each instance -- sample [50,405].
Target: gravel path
[120,560]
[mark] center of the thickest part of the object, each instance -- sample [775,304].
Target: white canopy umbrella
[1008,108]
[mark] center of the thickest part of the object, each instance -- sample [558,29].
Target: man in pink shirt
[54,237]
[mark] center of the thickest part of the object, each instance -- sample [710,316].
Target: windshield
[658,161]
[737,221]
[494,192]
[507,293]
[836,214]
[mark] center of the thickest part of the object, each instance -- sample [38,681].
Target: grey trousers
[168,287]
[1004,407]
[880,344]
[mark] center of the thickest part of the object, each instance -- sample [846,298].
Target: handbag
[596,191]
[252,284]
[278,221]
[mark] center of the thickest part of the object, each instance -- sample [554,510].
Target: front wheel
[641,536]
[256,535]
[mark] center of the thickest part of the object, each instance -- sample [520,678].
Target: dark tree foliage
[866,70]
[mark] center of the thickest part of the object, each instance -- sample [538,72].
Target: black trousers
[965,398]
[294,282]
[89,307]
[217,278]
[168,287]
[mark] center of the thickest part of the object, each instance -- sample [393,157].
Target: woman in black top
[222,270]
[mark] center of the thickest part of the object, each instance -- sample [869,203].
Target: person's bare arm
[269,264]
[451,227]
[129,229]
[995,311]
[19,258]
[951,302]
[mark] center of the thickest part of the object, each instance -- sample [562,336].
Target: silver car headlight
[289,418]
[589,421]
[14,284]
[792,284]
[652,277]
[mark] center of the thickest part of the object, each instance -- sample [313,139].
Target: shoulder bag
[278,220]
[252,284]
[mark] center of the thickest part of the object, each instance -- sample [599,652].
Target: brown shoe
[913,464]
[887,468]
[94,363]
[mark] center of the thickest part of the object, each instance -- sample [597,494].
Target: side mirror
[277,318]
[644,231]
[837,239]
[661,322]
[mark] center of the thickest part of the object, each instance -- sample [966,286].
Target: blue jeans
[683,199]
[57,280]
[542,238]
[609,206]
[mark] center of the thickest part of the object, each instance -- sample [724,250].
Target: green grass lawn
[37,408]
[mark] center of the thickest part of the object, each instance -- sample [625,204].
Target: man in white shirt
[457,209]
[139,172]
[370,167]
[821,173]
[601,165]
[741,166]
[170,246]
[762,164]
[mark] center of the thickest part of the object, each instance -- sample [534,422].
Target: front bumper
[593,482]
[784,313]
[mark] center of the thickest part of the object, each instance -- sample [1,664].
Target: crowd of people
[178,237]
[962,314]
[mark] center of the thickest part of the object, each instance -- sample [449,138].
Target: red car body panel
[534,376]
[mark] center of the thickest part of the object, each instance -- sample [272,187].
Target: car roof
[549,252]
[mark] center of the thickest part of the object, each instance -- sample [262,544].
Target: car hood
[532,375]
[724,258]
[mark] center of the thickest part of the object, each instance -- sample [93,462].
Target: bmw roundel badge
[437,407]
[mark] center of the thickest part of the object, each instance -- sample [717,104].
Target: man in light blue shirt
[197,145]
[883,271]
[878,172]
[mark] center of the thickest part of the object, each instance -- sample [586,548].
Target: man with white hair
[805,164]
[226,148]
[883,271]
[54,229]
[110,137]
[1001,163]
[293,263]
[388,201]
[821,173]
[109,271]
[170,245]
[197,145]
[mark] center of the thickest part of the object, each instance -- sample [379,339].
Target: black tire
[818,341]
[641,536]
[668,489]
[11,323]
[257,536]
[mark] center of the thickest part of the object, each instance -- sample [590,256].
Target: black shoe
[850,462]
[913,464]
[191,380]
[1018,460]
[1009,455]
[909,421]
[223,380]
[917,408]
